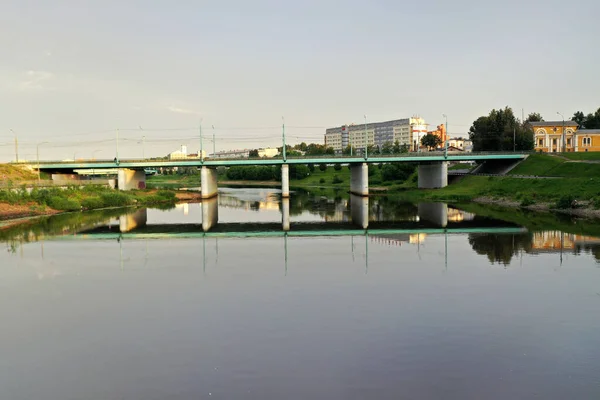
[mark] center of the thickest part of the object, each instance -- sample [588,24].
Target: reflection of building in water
[551,241]
[455,215]
[185,207]
[397,240]
[340,212]
[270,203]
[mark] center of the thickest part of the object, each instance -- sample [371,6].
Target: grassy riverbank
[42,201]
[567,165]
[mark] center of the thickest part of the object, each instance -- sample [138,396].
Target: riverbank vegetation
[85,198]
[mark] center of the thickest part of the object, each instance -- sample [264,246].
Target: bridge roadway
[433,168]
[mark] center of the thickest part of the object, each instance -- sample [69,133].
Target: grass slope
[546,165]
[15,173]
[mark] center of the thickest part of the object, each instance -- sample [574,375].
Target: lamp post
[37,155]
[117,145]
[143,143]
[564,136]
[200,132]
[446,136]
[16,146]
[214,151]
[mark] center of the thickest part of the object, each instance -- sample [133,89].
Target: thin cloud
[35,79]
[178,110]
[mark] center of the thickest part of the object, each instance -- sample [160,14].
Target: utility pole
[144,147]
[117,145]
[213,140]
[366,138]
[283,138]
[16,146]
[200,133]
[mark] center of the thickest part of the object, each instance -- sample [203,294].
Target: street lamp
[213,140]
[366,138]
[16,146]
[564,137]
[37,155]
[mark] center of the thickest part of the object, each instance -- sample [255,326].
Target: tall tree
[579,117]
[534,117]
[500,131]
[431,141]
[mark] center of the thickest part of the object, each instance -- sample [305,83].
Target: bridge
[433,168]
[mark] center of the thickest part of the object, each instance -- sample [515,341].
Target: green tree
[311,167]
[323,167]
[387,148]
[253,153]
[534,117]
[431,141]
[500,131]
[337,167]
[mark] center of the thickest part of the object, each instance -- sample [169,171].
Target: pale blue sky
[73,68]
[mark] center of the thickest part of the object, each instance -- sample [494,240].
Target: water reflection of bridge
[427,216]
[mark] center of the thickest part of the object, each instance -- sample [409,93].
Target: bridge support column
[129,179]
[359,179]
[436,213]
[210,213]
[433,175]
[208,182]
[285,180]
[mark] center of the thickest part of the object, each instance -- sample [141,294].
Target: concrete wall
[208,182]
[285,180]
[359,210]
[433,175]
[359,179]
[65,177]
[128,179]
[436,213]
[210,213]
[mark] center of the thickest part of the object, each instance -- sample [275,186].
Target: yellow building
[548,137]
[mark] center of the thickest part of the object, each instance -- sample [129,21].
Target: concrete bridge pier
[208,182]
[285,180]
[210,213]
[128,179]
[359,211]
[285,213]
[129,222]
[359,179]
[436,213]
[433,175]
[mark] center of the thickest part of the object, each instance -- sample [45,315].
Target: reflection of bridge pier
[285,213]
[436,213]
[129,222]
[210,213]
[359,210]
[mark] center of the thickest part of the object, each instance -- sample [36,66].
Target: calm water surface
[150,307]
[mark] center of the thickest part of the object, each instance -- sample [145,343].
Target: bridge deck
[209,162]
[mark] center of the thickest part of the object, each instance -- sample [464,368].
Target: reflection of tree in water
[57,225]
[500,248]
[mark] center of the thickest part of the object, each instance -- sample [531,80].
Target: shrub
[337,167]
[166,194]
[337,179]
[322,180]
[323,167]
[92,203]
[115,199]
[527,201]
[311,167]
[64,204]
[565,201]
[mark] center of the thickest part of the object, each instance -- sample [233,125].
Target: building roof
[588,131]
[552,123]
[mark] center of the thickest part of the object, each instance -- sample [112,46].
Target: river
[352,299]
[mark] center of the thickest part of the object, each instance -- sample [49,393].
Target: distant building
[266,152]
[548,137]
[460,144]
[407,131]
[441,133]
[182,154]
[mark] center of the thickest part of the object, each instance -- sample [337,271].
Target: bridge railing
[370,157]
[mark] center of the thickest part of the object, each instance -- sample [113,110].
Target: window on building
[587,141]
[568,141]
[554,142]
[541,142]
